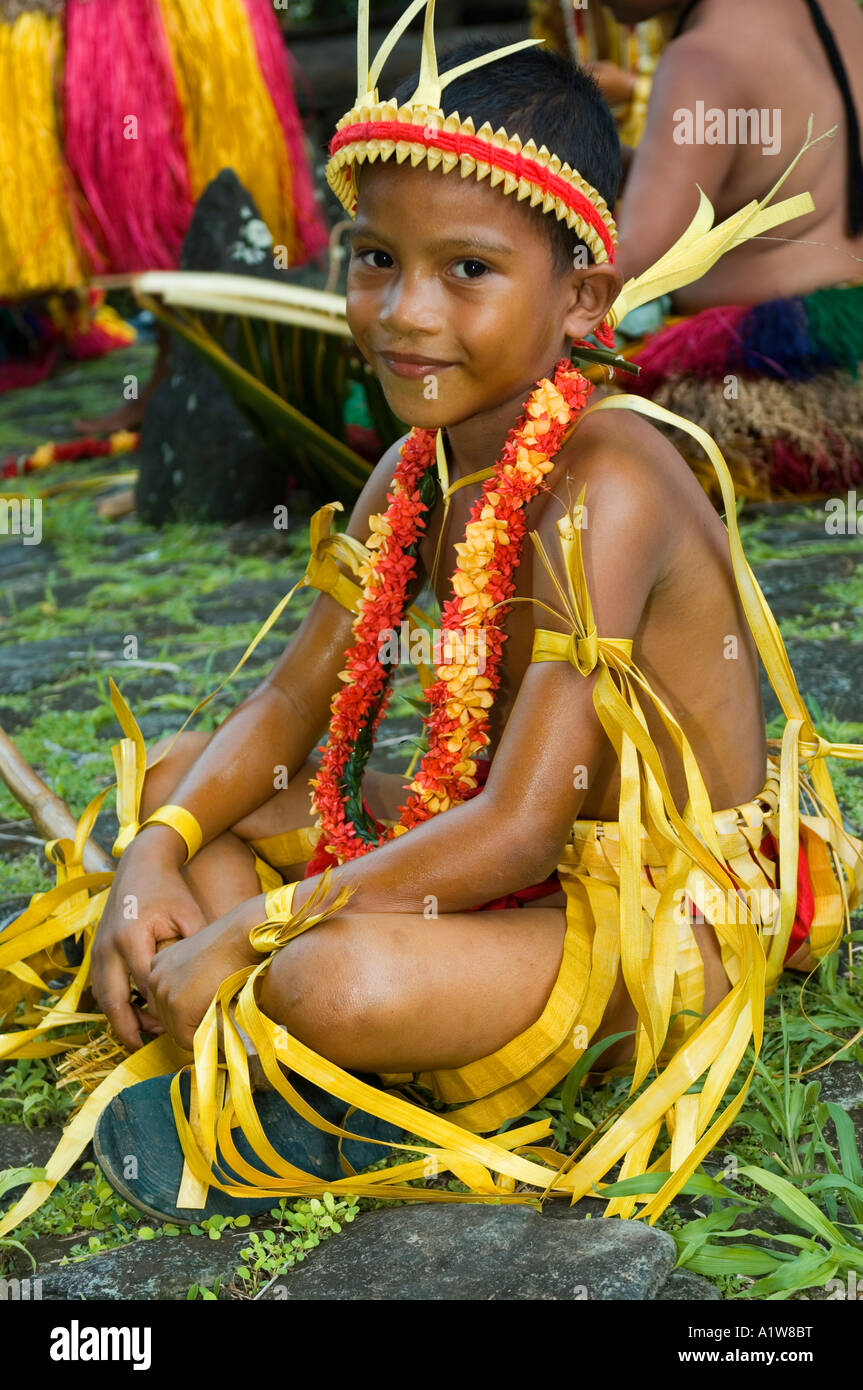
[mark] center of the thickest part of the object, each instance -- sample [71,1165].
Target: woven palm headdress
[423,132]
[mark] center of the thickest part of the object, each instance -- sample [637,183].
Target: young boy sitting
[618,660]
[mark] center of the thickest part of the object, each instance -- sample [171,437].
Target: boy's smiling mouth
[409,364]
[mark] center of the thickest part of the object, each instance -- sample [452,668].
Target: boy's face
[454,296]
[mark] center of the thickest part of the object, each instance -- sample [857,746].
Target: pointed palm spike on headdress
[452,74]
[431,84]
[363,81]
[368,77]
[428,88]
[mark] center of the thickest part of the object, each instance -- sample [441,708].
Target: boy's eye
[470,269]
[377,259]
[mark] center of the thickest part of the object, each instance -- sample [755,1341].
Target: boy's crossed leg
[376,992]
[396,992]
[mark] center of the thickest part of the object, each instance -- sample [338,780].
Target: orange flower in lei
[460,698]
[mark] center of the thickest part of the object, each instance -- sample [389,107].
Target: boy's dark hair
[538,95]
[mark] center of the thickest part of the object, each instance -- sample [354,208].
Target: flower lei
[460,698]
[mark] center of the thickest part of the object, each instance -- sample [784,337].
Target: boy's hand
[149,905]
[185,976]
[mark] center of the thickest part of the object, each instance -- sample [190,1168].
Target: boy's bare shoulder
[621,458]
[632,479]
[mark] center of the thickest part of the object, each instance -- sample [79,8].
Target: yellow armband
[183,822]
[276,929]
[284,921]
[279,902]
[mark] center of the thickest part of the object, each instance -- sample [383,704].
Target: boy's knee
[329,993]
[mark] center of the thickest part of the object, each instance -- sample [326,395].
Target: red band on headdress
[483,151]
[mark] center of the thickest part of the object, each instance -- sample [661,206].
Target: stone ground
[167,614]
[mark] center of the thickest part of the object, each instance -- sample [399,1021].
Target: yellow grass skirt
[497,1089]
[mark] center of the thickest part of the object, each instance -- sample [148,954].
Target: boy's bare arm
[278,724]
[664,176]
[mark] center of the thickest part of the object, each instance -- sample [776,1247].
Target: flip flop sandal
[136,1134]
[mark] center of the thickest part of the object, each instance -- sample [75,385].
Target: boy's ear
[594,290]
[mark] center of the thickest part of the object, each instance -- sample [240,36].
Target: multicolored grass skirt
[115,115]
[777,385]
[36,335]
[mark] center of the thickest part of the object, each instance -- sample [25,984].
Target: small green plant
[299,1229]
[783,1262]
[213,1226]
[11,1178]
[201,1291]
[29,1094]
[89,1205]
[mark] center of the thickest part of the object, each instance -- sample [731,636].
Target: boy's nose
[410,307]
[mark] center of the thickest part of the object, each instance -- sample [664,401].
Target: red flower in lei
[461,697]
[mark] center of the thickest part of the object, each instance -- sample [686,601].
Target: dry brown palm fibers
[821,419]
[89,1065]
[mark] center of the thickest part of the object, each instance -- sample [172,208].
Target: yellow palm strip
[274,1047]
[499,1101]
[368,77]
[633,1165]
[584,649]
[429,89]
[659,974]
[701,245]
[447,490]
[286,1177]
[35,918]
[683,1069]
[627,730]
[266,1037]
[201,1158]
[630,740]
[685,1130]
[773,653]
[629,736]
[800,739]
[63,1013]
